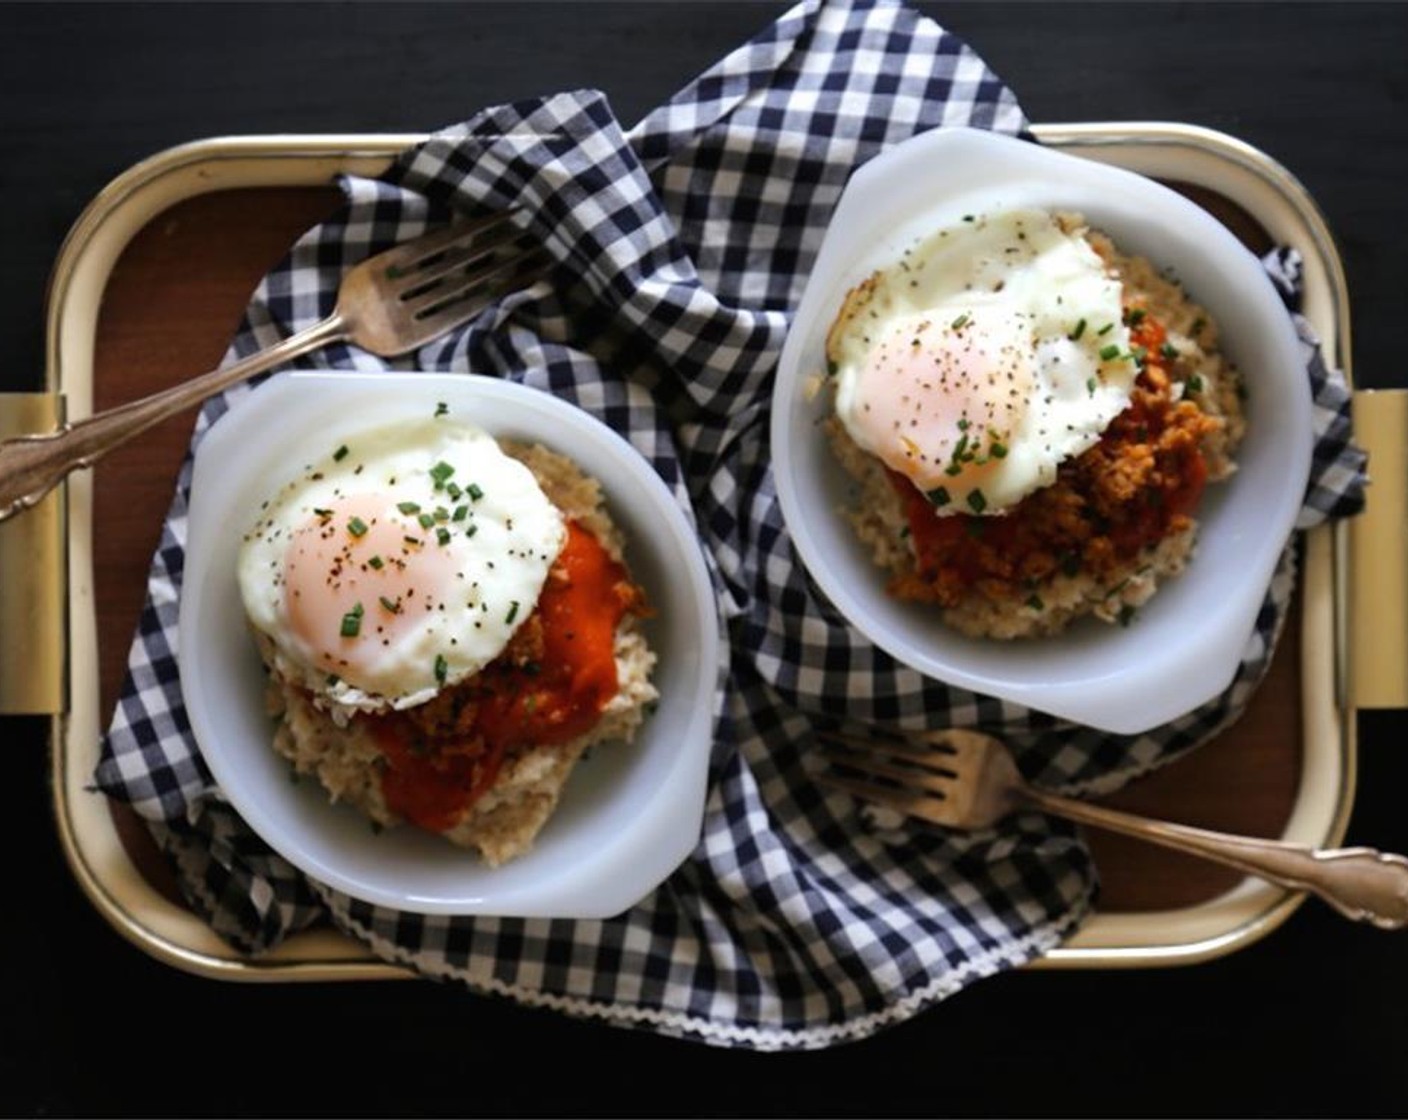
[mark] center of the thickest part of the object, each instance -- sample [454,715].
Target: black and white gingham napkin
[684,244]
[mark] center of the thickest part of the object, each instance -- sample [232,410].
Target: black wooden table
[1313,1020]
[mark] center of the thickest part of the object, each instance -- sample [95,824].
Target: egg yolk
[357,580]
[939,396]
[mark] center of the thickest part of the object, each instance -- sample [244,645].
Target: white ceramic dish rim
[629,816]
[1185,645]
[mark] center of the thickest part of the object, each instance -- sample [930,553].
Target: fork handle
[32,465]
[1361,883]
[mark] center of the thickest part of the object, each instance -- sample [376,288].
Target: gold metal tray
[1329,692]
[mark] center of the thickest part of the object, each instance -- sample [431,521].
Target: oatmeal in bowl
[1031,419]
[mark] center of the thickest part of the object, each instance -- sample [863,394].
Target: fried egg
[991,353]
[399,563]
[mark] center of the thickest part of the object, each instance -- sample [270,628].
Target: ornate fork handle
[31,466]
[1361,883]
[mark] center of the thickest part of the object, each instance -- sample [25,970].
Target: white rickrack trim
[1041,939]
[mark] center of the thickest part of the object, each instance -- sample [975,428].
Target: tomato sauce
[433,776]
[1137,485]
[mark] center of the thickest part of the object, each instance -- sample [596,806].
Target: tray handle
[33,577]
[1378,585]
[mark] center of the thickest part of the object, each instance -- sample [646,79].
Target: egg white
[437,601]
[991,353]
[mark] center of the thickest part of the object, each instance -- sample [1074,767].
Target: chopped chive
[962,424]
[442,534]
[976,502]
[1109,353]
[474,492]
[1134,316]
[441,473]
[1138,353]
[340,454]
[1079,330]
[441,408]
[391,605]
[357,527]
[442,668]
[1090,386]
[323,513]
[408,508]
[352,622]
[512,612]
[461,512]
[411,540]
[997,450]
[454,491]
[426,521]
[473,528]
[961,322]
[938,497]
[1169,351]
[376,562]
[1106,329]
[442,514]
[1194,384]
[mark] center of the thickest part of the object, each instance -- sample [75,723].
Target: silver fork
[389,304]
[968,780]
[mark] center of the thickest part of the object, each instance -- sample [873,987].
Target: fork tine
[410,255]
[451,310]
[897,748]
[958,778]
[918,772]
[452,302]
[896,774]
[399,300]
[902,801]
[471,272]
[463,252]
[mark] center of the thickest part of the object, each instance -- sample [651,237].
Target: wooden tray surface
[171,307]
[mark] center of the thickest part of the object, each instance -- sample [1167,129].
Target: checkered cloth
[684,243]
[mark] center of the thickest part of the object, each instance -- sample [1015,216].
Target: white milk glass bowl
[630,813]
[1186,642]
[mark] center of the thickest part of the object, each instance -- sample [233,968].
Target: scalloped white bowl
[630,813]
[1185,644]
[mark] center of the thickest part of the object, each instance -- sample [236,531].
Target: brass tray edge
[190,162]
[33,560]
[1378,591]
